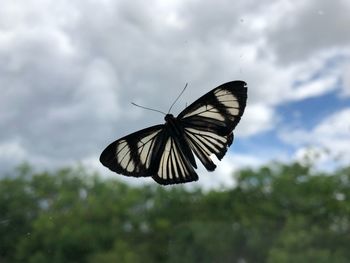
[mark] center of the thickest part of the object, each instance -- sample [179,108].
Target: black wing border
[107,157]
[237,87]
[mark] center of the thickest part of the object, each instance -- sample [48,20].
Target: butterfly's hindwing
[132,155]
[205,143]
[174,164]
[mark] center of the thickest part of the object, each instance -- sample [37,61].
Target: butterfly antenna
[133,103]
[177,98]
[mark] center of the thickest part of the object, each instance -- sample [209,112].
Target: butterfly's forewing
[132,155]
[209,121]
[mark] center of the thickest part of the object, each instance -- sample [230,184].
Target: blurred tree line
[276,213]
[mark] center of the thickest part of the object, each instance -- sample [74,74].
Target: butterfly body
[176,130]
[173,125]
[166,152]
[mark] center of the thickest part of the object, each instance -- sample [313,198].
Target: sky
[69,70]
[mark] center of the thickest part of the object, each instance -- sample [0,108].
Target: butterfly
[167,152]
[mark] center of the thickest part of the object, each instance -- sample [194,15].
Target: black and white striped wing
[174,163]
[150,152]
[133,155]
[165,152]
[209,121]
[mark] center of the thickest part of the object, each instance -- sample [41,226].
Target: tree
[275,213]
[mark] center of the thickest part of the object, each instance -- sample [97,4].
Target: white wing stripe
[131,166]
[204,148]
[229,100]
[145,147]
[206,133]
[214,114]
[123,151]
[207,142]
[208,111]
[142,148]
[172,162]
[226,98]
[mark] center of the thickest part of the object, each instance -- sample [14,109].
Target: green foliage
[277,213]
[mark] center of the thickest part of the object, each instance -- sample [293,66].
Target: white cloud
[346,79]
[331,137]
[306,28]
[223,176]
[314,88]
[68,74]
[10,149]
[11,154]
[257,118]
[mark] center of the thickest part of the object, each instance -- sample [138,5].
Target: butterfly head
[169,117]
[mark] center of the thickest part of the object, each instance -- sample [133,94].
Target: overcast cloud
[69,70]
